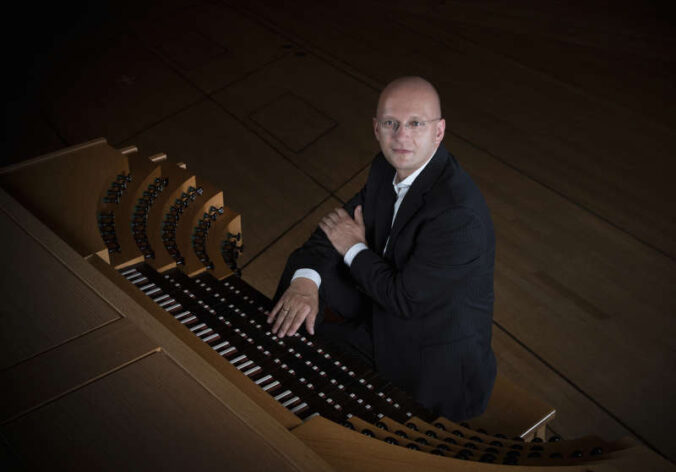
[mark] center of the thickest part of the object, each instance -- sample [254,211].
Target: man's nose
[402,130]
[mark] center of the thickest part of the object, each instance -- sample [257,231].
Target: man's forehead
[410,98]
[408,105]
[406,117]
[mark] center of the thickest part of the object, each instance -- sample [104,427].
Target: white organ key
[182,314]
[271,385]
[203,332]
[220,345]
[299,408]
[283,394]
[188,319]
[290,402]
[227,351]
[198,326]
[155,290]
[160,298]
[210,337]
[173,307]
[167,302]
[244,365]
[263,379]
[237,359]
[127,272]
[253,370]
[146,287]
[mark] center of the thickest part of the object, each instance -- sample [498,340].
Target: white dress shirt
[400,189]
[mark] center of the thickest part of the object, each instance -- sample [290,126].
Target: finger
[327,221]
[288,321]
[310,322]
[333,217]
[359,216]
[298,320]
[342,214]
[280,319]
[278,306]
[324,227]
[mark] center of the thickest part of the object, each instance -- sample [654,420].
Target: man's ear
[375,129]
[440,130]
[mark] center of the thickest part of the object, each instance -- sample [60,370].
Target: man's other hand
[343,231]
[300,302]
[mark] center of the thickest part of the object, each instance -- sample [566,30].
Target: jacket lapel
[415,197]
[384,210]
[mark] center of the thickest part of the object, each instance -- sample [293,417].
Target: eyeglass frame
[396,127]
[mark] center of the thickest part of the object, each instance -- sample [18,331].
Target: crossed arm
[446,253]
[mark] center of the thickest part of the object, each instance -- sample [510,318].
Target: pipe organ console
[143,348]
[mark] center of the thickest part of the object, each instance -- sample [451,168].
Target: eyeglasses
[415,126]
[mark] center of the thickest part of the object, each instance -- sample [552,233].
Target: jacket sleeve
[446,250]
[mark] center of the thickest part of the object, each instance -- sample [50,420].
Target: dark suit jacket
[432,290]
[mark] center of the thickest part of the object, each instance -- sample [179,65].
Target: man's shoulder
[455,188]
[380,172]
[452,182]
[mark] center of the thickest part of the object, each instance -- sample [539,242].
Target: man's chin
[399,160]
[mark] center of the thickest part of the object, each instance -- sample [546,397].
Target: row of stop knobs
[199,235]
[140,217]
[171,222]
[106,219]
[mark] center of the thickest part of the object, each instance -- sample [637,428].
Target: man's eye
[415,123]
[388,123]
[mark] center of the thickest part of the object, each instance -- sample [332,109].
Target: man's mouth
[402,151]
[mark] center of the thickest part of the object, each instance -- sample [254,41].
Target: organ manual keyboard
[129,341]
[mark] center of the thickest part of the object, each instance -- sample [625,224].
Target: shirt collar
[408,181]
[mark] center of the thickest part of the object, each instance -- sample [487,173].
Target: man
[408,262]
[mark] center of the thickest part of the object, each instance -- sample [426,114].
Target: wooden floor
[563,116]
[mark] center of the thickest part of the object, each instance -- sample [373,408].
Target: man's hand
[343,231]
[299,303]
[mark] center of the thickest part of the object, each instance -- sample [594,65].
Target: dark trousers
[344,317]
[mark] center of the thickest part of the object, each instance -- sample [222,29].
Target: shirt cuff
[352,253]
[308,274]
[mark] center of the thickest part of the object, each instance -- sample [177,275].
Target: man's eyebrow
[412,117]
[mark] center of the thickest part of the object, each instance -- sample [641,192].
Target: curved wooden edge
[480,442]
[350,451]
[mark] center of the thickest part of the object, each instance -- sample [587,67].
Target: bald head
[415,89]
[408,124]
